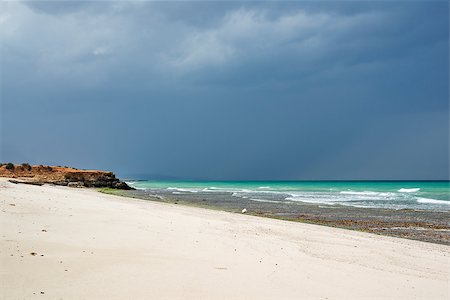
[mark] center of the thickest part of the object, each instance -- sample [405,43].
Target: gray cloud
[228,90]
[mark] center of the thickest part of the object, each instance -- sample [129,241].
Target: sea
[417,195]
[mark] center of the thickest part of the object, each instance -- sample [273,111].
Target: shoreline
[81,244]
[422,225]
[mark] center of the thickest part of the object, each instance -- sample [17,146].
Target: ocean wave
[140,188]
[365,193]
[240,195]
[328,200]
[216,190]
[370,194]
[181,190]
[264,187]
[432,201]
[412,190]
[132,184]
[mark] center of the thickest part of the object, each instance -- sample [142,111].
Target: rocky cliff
[62,176]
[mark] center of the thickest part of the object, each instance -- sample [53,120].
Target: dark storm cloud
[57,7]
[228,90]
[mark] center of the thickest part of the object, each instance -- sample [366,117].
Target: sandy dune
[67,243]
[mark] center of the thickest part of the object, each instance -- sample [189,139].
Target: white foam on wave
[369,194]
[308,199]
[132,184]
[412,190]
[365,193]
[140,188]
[432,201]
[240,192]
[181,190]
[264,187]
[213,189]
[350,198]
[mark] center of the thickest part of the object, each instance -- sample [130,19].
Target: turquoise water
[426,195]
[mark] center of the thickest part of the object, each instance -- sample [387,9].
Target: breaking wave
[429,196]
[413,190]
[433,201]
[182,190]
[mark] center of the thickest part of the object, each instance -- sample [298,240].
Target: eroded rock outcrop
[63,176]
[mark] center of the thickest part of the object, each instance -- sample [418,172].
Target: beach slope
[68,243]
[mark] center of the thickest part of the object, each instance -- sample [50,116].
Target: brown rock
[63,176]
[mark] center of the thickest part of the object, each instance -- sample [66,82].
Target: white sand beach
[69,243]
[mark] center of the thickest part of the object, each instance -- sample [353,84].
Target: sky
[302,90]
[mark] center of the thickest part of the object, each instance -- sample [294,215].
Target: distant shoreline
[280,181]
